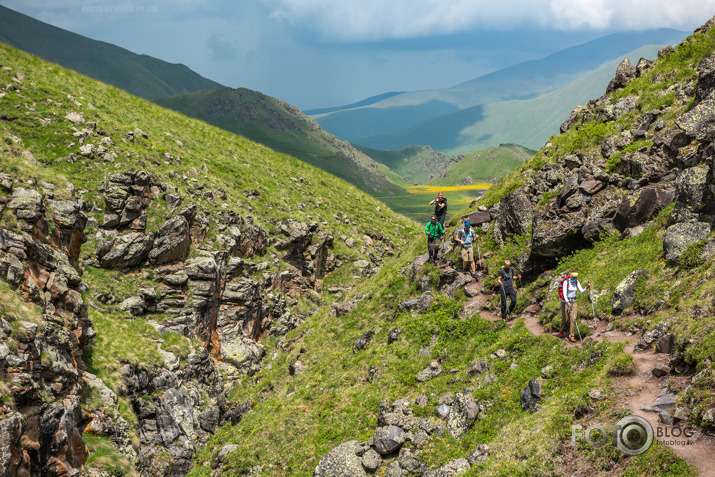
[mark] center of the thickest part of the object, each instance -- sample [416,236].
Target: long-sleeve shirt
[434,229]
[570,288]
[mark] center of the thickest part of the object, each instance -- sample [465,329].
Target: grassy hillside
[283,128]
[488,165]
[526,122]
[414,163]
[141,75]
[48,146]
[519,82]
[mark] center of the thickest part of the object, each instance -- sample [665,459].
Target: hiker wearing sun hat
[465,237]
[567,292]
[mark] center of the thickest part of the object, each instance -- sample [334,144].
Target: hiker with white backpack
[568,287]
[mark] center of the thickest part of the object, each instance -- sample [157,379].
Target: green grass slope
[416,164]
[488,165]
[142,75]
[39,145]
[527,122]
[284,128]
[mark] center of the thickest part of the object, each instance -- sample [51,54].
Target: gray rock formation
[624,294]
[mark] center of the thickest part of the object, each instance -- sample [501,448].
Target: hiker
[440,208]
[466,236]
[567,292]
[434,232]
[505,277]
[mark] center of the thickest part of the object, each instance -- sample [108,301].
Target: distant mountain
[141,75]
[415,164]
[488,165]
[284,128]
[519,82]
[364,102]
[527,122]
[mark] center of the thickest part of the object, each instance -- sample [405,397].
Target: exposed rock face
[172,242]
[624,294]
[43,357]
[126,251]
[127,196]
[515,213]
[531,396]
[625,72]
[642,205]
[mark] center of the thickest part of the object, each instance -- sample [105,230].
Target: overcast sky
[319,53]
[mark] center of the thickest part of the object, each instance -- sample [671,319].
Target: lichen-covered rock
[244,354]
[515,213]
[699,122]
[642,205]
[462,414]
[624,294]
[677,238]
[342,461]
[433,370]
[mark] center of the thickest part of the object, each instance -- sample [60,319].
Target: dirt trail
[632,392]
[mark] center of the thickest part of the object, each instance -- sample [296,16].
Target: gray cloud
[371,20]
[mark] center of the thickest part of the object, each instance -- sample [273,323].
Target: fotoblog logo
[633,435]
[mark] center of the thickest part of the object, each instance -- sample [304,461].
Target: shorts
[467,254]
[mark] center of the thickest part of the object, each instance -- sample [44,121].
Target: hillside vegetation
[488,165]
[250,315]
[142,75]
[284,128]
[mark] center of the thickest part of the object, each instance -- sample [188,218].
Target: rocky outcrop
[127,195]
[462,414]
[625,73]
[342,461]
[42,355]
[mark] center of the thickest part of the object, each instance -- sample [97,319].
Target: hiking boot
[561,334]
[573,340]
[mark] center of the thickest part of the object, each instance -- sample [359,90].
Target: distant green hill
[282,127]
[482,166]
[385,123]
[142,75]
[415,164]
[528,122]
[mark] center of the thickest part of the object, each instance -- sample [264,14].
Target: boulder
[462,414]
[677,238]
[363,340]
[388,439]
[453,467]
[477,218]
[706,79]
[515,213]
[625,73]
[342,461]
[693,194]
[531,396]
[477,367]
[244,354]
[625,291]
[642,205]
[371,460]
[558,236]
[665,344]
[172,242]
[411,462]
[665,401]
[433,370]
[699,122]
[125,251]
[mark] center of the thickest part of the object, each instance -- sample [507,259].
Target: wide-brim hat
[574,274]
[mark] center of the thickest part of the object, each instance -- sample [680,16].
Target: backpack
[561,287]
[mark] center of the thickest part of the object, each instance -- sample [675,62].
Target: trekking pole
[594,314]
[575,322]
[479,250]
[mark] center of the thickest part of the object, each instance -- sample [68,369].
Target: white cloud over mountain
[369,20]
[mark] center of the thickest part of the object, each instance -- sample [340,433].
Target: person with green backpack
[568,287]
[434,231]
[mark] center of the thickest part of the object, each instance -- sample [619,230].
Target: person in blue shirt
[465,237]
[434,231]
